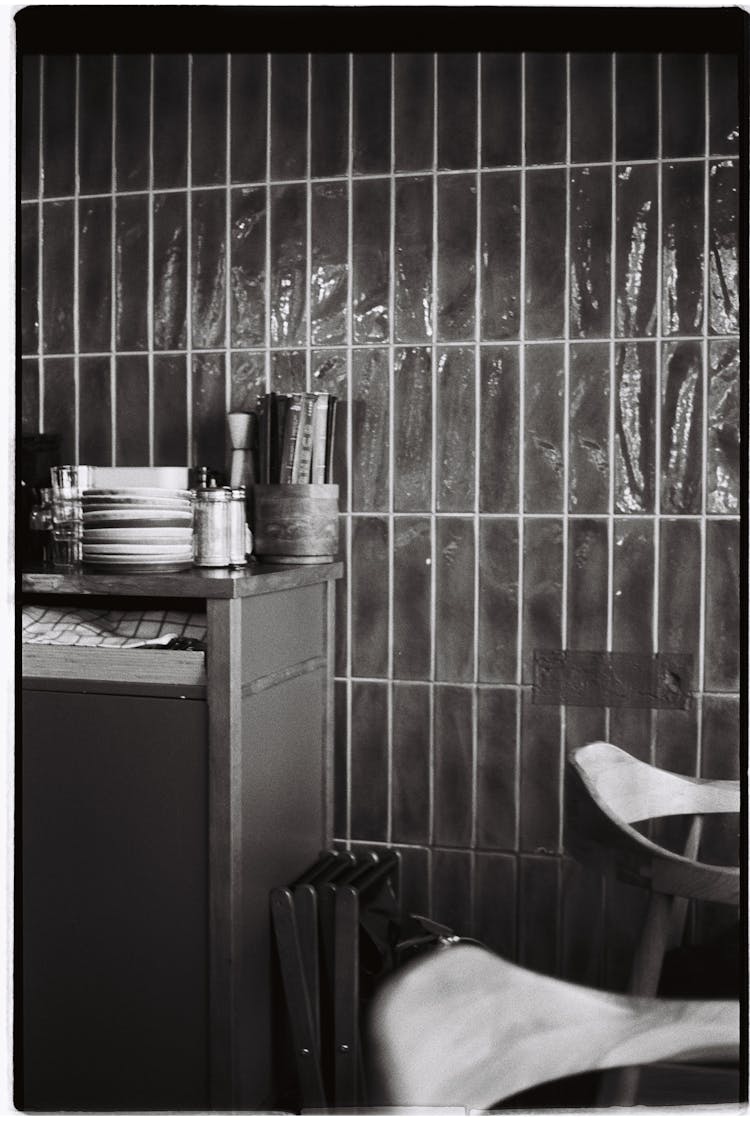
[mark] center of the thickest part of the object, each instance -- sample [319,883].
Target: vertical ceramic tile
[340,761]
[208,120]
[288,265]
[676,749]
[209,411]
[95,124]
[28,114]
[329,114]
[249,117]
[583,724]
[683,105]
[94,274]
[329,264]
[170,117]
[542,589]
[498,429]
[539,791]
[495,902]
[289,116]
[723,79]
[288,373]
[413,111]
[131,273]
[341,644]
[451,888]
[544,293]
[497,755]
[546,82]
[410,811]
[501,109]
[208,273]
[457,231]
[131,411]
[722,606]
[58,415]
[59,124]
[543,430]
[170,410]
[589,429]
[414,893]
[679,587]
[371,125]
[247,270]
[635,427]
[329,375]
[29,294]
[132,121]
[457,111]
[582,924]
[501,255]
[454,638]
[681,428]
[371,260]
[720,759]
[57,277]
[29,392]
[723,263]
[412,429]
[370,437]
[456,423]
[369,584]
[95,413]
[637,100]
[591,107]
[369,737]
[453,766]
[682,249]
[412,581]
[636,298]
[588,549]
[248,380]
[170,271]
[590,252]
[633,585]
[498,599]
[538,918]
[723,466]
[630,728]
[412,265]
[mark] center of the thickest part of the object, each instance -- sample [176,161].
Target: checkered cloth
[83,626]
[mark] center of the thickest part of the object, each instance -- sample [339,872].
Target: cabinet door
[113,907]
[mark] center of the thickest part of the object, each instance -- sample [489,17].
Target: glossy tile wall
[519,274]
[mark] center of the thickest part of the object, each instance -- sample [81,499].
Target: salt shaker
[238,531]
[211,526]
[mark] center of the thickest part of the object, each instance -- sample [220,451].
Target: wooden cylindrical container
[296,523]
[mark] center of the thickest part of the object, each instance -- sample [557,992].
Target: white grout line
[308,231]
[76,277]
[113,278]
[475,519]
[228,254]
[704,426]
[521,459]
[657,403]
[566,444]
[433,471]
[267,185]
[151,284]
[613,388]
[40,251]
[391,449]
[349,445]
[192,438]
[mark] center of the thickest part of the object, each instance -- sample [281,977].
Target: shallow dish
[152,535]
[136,492]
[132,550]
[127,567]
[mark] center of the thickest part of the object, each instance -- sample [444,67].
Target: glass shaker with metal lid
[211,526]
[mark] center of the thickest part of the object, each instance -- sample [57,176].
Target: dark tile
[682,249]
[371,125]
[681,428]
[723,466]
[29,411]
[412,429]
[208,120]
[248,380]
[545,107]
[57,277]
[248,266]
[329,264]
[538,916]
[457,279]
[456,421]
[498,428]
[457,110]
[412,266]
[132,121]
[329,375]
[329,114]
[720,759]
[170,410]
[590,251]
[340,761]
[209,411]
[497,768]
[371,260]
[369,761]
[170,117]
[288,371]
[543,430]
[637,97]
[170,272]
[582,923]
[591,107]
[249,117]
[679,587]
[451,889]
[633,585]
[341,645]
[495,897]
[454,590]
[501,255]
[722,606]
[28,115]
[413,111]
[414,894]
[723,262]
[637,251]
[412,551]
[683,105]
[583,725]
[501,109]
[59,124]
[542,589]
[288,116]
[59,408]
[589,429]
[544,293]
[630,728]
[410,810]
[288,265]
[209,268]
[625,914]
[453,765]
[131,411]
[498,599]
[370,423]
[635,427]
[724,126]
[95,274]
[29,295]
[539,790]
[95,413]
[588,551]
[95,124]
[676,749]
[131,273]
[369,586]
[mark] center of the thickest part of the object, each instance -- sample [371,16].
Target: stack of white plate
[143,528]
